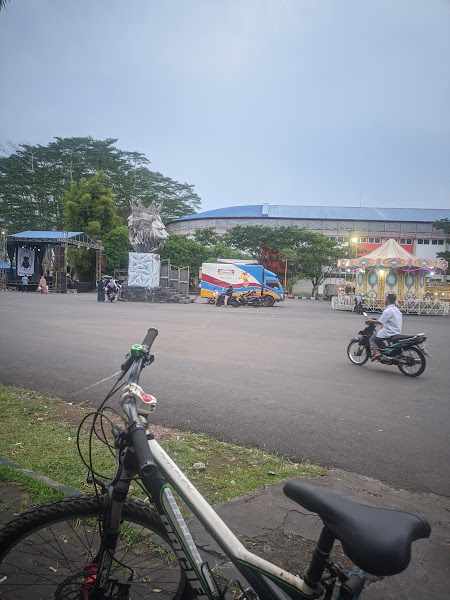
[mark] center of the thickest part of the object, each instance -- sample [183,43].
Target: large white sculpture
[147,232]
[143,269]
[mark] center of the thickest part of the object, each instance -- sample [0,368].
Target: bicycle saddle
[378,540]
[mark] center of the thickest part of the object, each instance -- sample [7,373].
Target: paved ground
[274,377]
[272,526]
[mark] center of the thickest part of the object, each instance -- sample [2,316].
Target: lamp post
[355,241]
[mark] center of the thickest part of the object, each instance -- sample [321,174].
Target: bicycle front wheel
[49,552]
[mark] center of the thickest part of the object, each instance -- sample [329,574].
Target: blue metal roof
[45,234]
[344,213]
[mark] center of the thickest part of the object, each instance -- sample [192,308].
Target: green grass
[36,435]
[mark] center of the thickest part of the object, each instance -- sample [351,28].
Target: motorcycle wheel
[357,353]
[268,301]
[418,367]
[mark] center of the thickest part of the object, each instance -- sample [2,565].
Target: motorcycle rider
[391,319]
[111,288]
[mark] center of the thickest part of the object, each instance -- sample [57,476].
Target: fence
[409,307]
[174,277]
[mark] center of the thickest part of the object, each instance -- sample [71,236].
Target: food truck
[243,277]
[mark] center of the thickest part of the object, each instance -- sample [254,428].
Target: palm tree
[3,3]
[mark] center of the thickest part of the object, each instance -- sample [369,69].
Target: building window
[374,240]
[362,240]
[405,241]
[426,241]
[420,241]
[441,242]
[434,242]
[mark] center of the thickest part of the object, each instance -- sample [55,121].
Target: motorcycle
[255,300]
[249,299]
[233,301]
[407,352]
[111,293]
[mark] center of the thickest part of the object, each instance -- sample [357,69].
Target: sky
[302,102]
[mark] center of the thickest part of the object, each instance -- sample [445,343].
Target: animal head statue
[146,229]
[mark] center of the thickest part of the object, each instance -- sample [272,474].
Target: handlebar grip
[150,337]
[146,464]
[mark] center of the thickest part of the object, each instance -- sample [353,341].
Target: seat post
[319,559]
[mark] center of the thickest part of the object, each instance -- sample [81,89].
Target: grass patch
[37,491]
[39,433]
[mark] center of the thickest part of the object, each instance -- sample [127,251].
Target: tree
[313,258]
[117,245]
[222,250]
[207,236]
[33,180]
[443,225]
[89,207]
[262,243]
[184,252]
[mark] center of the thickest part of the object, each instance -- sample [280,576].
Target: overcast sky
[313,102]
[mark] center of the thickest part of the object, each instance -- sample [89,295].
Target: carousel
[390,268]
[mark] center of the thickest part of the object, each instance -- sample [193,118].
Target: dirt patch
[68,412]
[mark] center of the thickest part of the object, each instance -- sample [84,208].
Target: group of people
[109,288]
[42,287]
[227,295]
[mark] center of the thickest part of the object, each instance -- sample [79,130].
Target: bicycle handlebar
[146,464]
[150,337]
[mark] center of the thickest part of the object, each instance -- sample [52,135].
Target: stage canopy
[54,238]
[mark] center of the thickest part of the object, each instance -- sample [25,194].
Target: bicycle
[108,546]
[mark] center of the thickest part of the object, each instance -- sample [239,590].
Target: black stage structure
[50,254]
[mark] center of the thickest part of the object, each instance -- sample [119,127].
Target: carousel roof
[390,249]
[391,254]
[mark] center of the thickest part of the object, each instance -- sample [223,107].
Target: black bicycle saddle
[377,540]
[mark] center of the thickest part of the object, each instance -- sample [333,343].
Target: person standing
[215,295]
[43,285]
[101,290]
[228,294]
[25,284]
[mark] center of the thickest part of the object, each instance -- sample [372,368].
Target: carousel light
[431,272]
[354,240]
[381,272]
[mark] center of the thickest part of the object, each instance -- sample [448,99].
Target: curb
[50,482]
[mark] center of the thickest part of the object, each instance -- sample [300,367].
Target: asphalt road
[276,377]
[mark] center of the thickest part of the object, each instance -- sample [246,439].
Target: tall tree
[313,258]
[207,236]
[184,252]
[117,245]
[89,207]
[33,179]
[263,243]
[443,225]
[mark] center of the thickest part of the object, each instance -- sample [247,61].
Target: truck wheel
[268,301]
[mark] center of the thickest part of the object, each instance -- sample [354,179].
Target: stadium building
[412,228]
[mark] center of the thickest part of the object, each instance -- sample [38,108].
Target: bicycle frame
[269,581]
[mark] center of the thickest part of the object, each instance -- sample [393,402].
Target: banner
[25,262]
